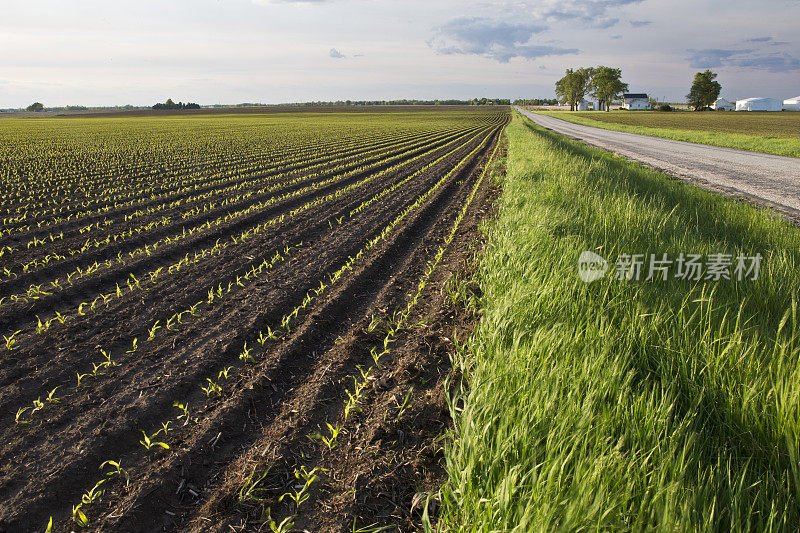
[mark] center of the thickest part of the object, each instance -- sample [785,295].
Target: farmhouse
[635,101]
[721,104]
[758,104]
[792,104]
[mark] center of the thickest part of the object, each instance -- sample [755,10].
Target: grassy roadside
[765,142]
[666,405]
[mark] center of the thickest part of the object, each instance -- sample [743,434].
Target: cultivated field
[217,322]
[775,133]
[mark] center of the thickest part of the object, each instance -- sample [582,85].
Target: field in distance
[234,320]
[773,133]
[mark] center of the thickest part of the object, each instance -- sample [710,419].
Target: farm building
[723,105]
[792,104]
[758,104]
[635,101]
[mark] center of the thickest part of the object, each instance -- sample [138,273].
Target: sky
[104,53]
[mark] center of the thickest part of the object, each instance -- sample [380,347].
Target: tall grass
[770,133]
[624,405]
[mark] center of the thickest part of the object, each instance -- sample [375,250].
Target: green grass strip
[766,142]
[623,405]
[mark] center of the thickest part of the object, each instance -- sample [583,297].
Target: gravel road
[770,180]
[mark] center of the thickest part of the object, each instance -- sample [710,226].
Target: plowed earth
[238,460]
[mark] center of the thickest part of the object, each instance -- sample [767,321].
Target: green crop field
[625,405]
[774,133]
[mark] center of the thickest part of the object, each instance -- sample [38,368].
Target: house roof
[632,96]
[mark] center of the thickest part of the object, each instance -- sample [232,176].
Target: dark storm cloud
[494,39]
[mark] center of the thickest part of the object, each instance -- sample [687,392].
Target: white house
[721,104]
[758,104]
[635,101]
[792,104]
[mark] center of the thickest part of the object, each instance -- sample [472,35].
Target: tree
[36,106]
[704,90]
[573,86]
[607,85]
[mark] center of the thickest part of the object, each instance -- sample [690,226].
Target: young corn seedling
[152,331]
[11,341]
[212,388]
[78,516]
[38,405]
[271,335]
[93,494]
[249,491]
[108,361]
[224,373]
[116,470]
[246,355]
[330,440]
[134,346]
[401,407]
[185,412]
[20,412]
[301,493]
[51,398]
[148,442]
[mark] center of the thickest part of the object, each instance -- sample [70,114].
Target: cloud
[758,40]
[640,23]
[745,59]
[711,57]
[615,37]
[589,12]
[771,62]
[336,54]
[494,39]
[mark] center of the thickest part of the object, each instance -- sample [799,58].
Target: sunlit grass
[620,405]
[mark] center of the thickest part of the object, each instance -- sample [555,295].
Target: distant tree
[704,90]
[607,85]
[169,104]
[573,86]
[36,106]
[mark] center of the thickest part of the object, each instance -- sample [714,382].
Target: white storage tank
[759,104]
[792,104]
